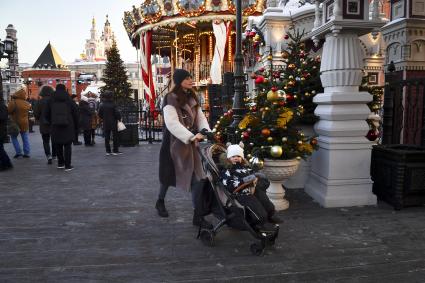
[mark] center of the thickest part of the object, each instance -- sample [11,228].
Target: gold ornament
[270,57]
[272,95]
[270,139]
[284,139]
[300,142]
[276,151]
[256,163]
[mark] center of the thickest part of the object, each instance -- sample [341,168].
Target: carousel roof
[167,14]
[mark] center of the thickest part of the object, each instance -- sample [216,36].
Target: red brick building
[49,69]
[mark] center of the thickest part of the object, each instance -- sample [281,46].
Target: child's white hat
[234,150]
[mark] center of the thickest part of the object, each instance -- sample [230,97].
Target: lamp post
[6,46]
[238,107]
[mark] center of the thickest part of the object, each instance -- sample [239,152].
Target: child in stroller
[248,188]
[241,209]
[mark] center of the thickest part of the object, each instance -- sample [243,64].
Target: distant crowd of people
[61,118]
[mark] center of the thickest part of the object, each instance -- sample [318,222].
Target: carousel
[196,35]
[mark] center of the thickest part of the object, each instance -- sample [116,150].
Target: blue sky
[65,23]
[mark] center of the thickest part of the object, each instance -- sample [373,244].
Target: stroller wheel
[257,249]
[207,237]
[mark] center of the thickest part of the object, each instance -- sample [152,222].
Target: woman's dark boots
[160,207]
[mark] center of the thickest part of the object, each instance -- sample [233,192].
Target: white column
[317,19]
[340,168]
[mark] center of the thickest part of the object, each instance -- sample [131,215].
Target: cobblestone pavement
[98,224]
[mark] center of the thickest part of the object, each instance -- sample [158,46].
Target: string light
[229,49]
[210,47]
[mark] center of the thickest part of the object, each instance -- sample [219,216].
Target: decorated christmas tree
[375,106]
[115,75]
[269,127]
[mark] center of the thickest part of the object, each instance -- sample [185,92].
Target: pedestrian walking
[46,93]
[5,162]
[62,114]
[77,129]
[110,116]
[94,106]
[86,114]
[179,163]
[18,109]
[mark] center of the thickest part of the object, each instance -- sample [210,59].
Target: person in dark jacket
[5,162]
[46,93]
[86,115]
[62,115]
[110,115]
[77,129]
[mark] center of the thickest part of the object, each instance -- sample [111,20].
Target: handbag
[12,128]
[121,126]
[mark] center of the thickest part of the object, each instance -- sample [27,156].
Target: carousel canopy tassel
[146,65]
[220,33]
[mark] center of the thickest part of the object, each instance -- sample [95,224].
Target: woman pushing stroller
[249,188]
[179,162]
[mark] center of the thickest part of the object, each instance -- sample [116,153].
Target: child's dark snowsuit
[259,206]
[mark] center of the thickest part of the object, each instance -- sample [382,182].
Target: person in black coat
[110,115]
[77,129]
[5,162]
[46,93]
[62,115]
[86,115]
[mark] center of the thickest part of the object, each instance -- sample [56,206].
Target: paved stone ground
[98,224]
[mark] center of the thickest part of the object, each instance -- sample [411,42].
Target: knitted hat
[234,150]
[180,75]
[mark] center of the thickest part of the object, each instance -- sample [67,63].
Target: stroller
[227,209]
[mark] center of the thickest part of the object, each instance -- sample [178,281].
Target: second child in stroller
[249,188]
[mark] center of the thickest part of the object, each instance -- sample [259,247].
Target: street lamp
[238,107]
[6,46]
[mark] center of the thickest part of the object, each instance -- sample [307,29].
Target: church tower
[94,49]
[107,35]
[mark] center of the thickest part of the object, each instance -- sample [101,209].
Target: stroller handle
[208,134]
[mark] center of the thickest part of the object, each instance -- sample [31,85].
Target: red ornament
[274,88]
[254,108]
[245,135]
[289,97]
[259,80]
[261,70]
[252,34]
[286,36]
[313,142]
[281,103]
[372,135]
[265,132]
